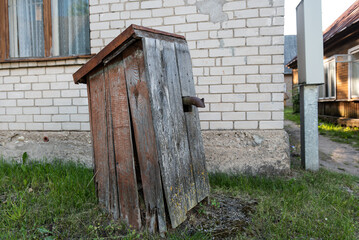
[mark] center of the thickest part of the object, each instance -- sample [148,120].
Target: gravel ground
[338,157]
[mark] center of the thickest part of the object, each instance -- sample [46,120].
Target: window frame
[351,51]
[330,59]
[5,43]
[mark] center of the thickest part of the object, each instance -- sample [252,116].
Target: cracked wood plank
[113,193]
[141,116]
[169,124]
[198,158]
[99,132]
[122,144]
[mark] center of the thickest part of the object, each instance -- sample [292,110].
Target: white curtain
[70,27]
[26,28]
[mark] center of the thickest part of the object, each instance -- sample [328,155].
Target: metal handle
[188,102]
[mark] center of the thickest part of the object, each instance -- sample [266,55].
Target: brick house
[290,51]
[237,58]
[339,96]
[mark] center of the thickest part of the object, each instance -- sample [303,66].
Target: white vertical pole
[311,75]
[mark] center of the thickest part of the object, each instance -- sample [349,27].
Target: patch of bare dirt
[222,217]
[338,157]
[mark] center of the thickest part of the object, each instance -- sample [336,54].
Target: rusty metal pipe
[193,101]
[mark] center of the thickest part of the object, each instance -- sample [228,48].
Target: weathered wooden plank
[138,29]
[192,122]
[109,73]
[182,151]
[123,149]
[155,35]
[99,132]
[141,118]
[92,135]
[169,125]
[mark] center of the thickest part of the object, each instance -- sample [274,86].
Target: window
[354,72]
[328,90]
[44,28]
[70,27]
[26,28]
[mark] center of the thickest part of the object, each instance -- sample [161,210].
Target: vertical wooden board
[145,139]
[99,132]
[122,139]
[169,125]
[114,206]
[171,74]
[192,122]
[92,137]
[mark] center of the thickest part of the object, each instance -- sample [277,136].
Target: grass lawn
[57,201]
[289,115]
[334,132]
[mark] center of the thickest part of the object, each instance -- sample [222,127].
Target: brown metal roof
[345,21]
[348,18]
[292,63]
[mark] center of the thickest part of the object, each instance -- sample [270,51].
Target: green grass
[340,134]
[39,200]
[289,115]
[57,201]
[334,132]
[321,205]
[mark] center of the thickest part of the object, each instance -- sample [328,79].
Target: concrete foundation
[252,152]
[64,146]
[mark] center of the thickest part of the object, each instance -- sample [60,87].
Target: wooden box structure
[148,152]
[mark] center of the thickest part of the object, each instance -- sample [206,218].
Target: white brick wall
[237,65]
[42,97]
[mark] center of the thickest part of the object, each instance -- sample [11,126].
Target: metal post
[311,75]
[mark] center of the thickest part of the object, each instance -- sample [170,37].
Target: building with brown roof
[339,96]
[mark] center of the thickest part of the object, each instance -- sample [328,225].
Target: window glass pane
[356,56]
[355,79]
[332,78]
[320,91]
[329,80]
[326,79]
[26,28]
[70,27]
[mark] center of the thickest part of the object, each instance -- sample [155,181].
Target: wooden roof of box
[117,45]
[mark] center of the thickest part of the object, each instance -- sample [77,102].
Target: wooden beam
[45,59]
[47,27]
[2,35]
[4,30]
